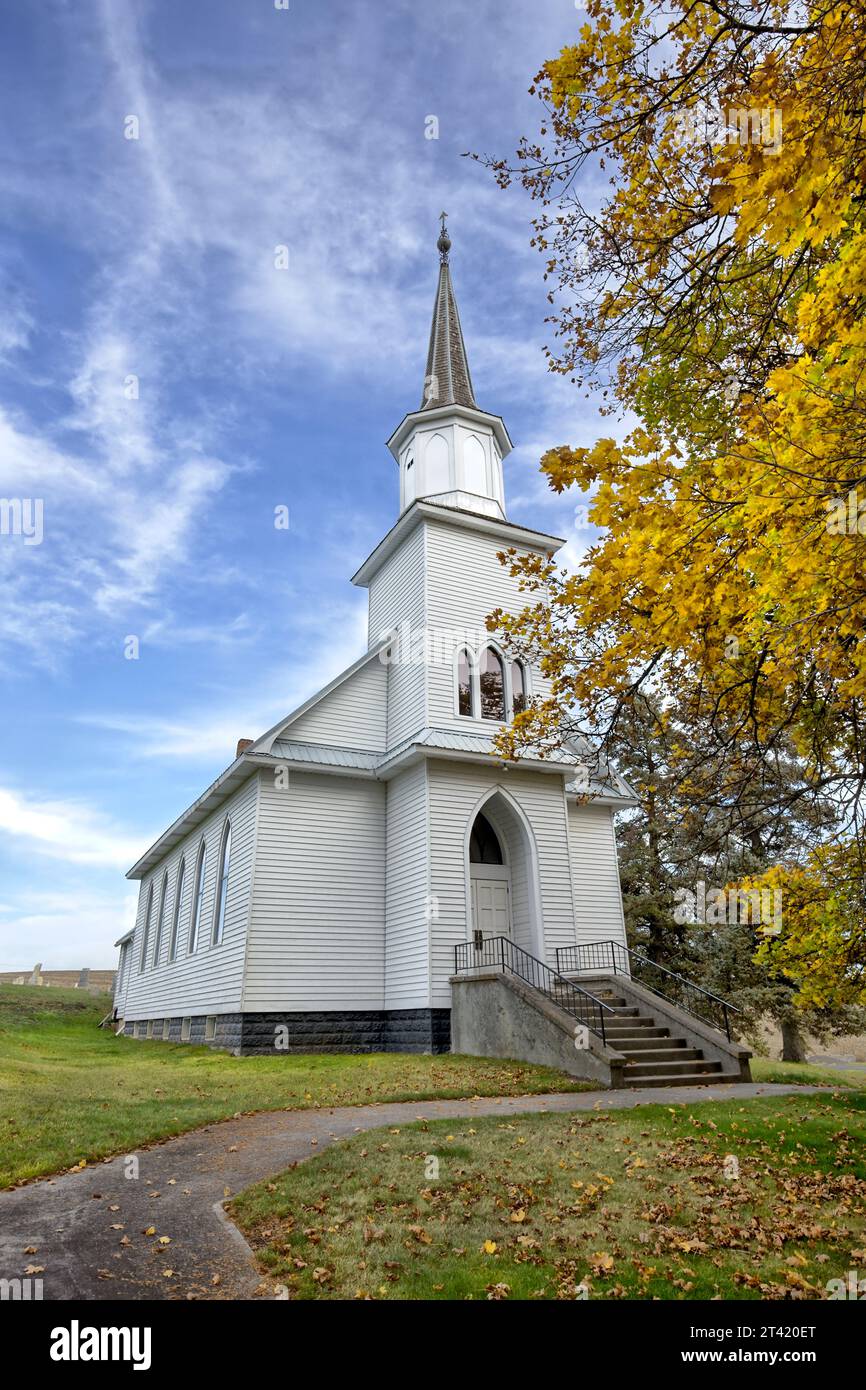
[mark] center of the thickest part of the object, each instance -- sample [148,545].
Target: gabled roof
[506,531]
[605,787]
[264,744]
[227,782]
[324,755]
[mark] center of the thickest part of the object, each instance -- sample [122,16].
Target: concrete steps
[653,1056]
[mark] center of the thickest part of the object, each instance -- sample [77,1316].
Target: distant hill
[94,981]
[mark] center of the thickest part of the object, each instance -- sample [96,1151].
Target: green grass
[631,1204]
[805,1073]
[70,1091]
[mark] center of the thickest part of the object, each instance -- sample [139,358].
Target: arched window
[474,466]
[121,969]
[518,688]
[437,469]
[175,917]
[143,958]
[198,894]
[465,693]
[492,682]
[160,921]
[409,480]
[219,915]
[484,846]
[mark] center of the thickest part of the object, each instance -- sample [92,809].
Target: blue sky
[154,258]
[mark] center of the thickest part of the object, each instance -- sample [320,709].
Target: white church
[327,887]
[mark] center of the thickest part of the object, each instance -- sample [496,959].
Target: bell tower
[448,451]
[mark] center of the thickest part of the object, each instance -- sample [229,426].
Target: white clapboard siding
[465,582]
[210,980]
[595,870]
[317,935]
[407,906]
[354,715]
[396,591]
[454,791]
[397,598]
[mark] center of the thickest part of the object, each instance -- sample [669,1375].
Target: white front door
[491,900]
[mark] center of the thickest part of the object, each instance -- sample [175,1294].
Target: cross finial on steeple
[444,242]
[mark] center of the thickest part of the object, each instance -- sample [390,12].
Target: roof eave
[440,412]
[508,531]
[405,757]
[199,810]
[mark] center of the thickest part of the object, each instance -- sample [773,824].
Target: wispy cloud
[335,638]
[67,830]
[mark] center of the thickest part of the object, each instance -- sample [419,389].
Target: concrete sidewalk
[87,1229]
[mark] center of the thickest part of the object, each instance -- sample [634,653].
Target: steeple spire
[446,380]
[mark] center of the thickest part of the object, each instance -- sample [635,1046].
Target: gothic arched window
[492,683]
[160,921]
[437,467]
[484,846]
[143,960]
[474,466]
[175,918]
[222,885]
[198,894]
[465,693]
[518,688]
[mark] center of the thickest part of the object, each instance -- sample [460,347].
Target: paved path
[87,1228]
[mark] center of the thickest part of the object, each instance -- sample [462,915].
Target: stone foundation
[354,1030]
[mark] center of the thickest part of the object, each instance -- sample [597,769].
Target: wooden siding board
[317,928]
[352,716]
[595,873]
[407,907]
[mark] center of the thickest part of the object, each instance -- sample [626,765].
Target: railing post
[727,1024]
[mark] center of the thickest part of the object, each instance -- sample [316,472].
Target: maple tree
[714,294]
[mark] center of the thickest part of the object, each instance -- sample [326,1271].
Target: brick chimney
[243,745]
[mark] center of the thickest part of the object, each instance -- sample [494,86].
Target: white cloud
[68,830]
[66,930]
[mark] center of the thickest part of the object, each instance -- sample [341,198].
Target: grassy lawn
[632,1204]
[765,1069]
[70,1091]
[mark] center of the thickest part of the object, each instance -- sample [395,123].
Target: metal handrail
[598,951]
[501,951]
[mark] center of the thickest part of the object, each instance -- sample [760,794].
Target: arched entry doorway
[490,881]
[503,896]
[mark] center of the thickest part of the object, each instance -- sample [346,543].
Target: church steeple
[447,380]
[450,452]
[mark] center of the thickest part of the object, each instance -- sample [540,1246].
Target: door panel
[491,908]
